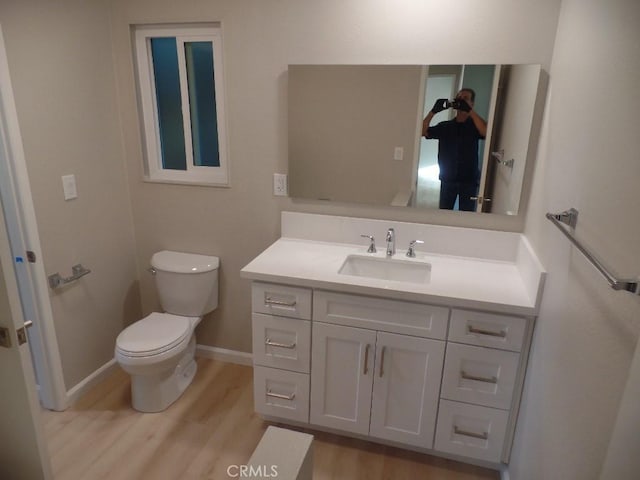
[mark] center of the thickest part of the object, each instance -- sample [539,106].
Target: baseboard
[205,351]
[224,355]
[96,377]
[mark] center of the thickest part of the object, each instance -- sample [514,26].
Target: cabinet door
[406,388]
[341,377]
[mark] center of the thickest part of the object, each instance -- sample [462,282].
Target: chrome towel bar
[56,280]
[570,218]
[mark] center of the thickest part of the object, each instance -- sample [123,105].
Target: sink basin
[386,269]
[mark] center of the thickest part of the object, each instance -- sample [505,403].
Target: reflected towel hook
[499,156]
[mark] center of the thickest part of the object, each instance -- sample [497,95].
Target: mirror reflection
[438,136]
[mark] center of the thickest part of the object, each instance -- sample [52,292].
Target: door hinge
[5,338]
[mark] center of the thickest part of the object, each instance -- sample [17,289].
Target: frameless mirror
[355,132]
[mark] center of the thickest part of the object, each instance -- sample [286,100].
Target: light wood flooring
[211,427]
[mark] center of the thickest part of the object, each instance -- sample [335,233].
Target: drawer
[393,316]
[479,375]
[283,300]
[487,329]
[281,393]
[471,430]
[281,342]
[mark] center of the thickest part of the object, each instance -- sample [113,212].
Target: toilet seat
[154,334]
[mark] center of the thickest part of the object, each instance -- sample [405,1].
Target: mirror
[355,132]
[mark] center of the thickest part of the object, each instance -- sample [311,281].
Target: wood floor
[211,427]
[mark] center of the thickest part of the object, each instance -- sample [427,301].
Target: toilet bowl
[158,351]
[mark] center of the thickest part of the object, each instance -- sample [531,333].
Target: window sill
[197,183]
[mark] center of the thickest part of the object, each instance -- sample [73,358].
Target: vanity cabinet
[375,383]
[431,377]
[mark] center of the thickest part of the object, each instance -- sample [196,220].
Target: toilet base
[156,392]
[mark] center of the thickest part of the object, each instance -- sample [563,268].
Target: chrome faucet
[411,252]
[391,242]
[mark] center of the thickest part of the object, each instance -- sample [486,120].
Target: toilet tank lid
[180,262]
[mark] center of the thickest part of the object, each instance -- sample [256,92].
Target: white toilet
[158,351]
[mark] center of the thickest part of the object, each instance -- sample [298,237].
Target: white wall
[586,333]
[61,67]
[261,37]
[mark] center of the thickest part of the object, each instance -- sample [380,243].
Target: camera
[453,104]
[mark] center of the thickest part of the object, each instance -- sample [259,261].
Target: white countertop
[456,281]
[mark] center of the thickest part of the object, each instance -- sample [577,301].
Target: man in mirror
[457,149]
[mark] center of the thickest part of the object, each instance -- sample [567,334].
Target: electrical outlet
[398,153]
[280,184]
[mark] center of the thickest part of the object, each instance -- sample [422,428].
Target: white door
[512,137]
[406,388]
[341,377]
[23,452]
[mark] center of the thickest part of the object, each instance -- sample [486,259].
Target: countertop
[456,281]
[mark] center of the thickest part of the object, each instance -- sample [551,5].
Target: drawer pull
[466,376]
[481,331]
[466,433]
[271,301]
[271,343]
[280,395]
[366,359]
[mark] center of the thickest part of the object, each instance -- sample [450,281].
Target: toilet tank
[187,283]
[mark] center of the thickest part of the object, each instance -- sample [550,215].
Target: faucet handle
[411,253]
[372,243]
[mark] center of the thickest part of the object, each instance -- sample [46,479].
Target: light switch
[398,153]
[69,187]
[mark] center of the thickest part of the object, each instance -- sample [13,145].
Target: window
[181,94]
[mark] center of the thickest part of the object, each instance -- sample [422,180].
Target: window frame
[152,151]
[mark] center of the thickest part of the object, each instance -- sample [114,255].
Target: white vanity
[428,353]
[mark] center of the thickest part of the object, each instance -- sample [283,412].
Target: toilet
[158,351]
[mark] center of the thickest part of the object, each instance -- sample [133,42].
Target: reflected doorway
[438,85]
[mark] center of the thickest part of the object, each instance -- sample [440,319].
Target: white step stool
[283,455]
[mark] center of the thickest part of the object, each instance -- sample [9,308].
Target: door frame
[22,231]
[487,156]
